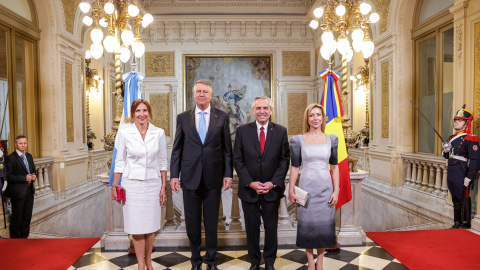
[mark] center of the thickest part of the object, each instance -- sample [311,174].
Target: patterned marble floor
[368,256]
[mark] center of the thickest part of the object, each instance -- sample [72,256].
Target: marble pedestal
[351,232]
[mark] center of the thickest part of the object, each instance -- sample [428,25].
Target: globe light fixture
[85,7]
[318,12]
[87,20]
[338,18]
[115,21]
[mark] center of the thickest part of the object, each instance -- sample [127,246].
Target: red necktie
[262,140]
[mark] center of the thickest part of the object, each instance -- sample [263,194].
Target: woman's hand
[333,199]
[292,197]
[114,193]
[163,196]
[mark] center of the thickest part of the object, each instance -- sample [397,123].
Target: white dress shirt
[207,116]
[264,129]
[141,159]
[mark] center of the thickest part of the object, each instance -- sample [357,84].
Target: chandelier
[340,18]
[115,16]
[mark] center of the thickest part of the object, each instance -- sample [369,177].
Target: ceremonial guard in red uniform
[461,150]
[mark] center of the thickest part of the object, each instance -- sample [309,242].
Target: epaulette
[471,137]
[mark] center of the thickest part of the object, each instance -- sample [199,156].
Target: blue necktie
[26,163]
[202,127]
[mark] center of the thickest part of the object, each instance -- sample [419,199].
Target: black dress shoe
[466,226]
[254,267]
[269,267]
[212,267]
[457,225]
[196,267]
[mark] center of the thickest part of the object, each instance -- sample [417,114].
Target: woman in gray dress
[315,151]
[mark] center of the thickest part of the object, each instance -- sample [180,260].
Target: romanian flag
[332,104]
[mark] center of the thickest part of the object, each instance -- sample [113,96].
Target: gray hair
[202,81]
[254,102]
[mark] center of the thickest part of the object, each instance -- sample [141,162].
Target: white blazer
[138,159]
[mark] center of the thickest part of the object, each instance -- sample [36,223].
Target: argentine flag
[132,91]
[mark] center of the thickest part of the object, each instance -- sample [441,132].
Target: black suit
[21,194]
[202,168]
[251,166]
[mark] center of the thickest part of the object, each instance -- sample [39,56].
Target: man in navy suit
[20,189]
[202,157]
[261,158]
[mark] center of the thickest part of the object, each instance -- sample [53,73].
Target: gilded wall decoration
[69,8]
[69,102]
[382,8]
[385,100]
[161,111]
[296,63]
[476,91]
[297,102]
[459,34]
[159,64]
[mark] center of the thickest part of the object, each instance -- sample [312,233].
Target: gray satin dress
[316,221]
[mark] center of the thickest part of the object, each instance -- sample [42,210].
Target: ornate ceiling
[233,7]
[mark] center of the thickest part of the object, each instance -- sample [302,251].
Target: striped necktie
[26,163]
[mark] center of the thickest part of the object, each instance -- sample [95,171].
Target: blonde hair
[306,126]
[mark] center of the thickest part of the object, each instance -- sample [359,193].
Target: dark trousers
[21,215]
[192,202]
[252,213]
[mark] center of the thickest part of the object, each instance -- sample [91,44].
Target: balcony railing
[426,173]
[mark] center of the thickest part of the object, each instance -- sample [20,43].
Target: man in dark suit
[261,158]
[20,189]
[202,154]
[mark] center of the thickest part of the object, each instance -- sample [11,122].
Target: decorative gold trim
[382,8]
[297,102]
[159,64]
[385,98]
[69,9]
[161,111]
[296,63]
[69,102]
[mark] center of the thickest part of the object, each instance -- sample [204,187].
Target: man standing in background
[20,189]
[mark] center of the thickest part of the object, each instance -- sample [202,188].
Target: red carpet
[48,254]
[436,249]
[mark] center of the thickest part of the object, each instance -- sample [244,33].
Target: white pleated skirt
[142,210]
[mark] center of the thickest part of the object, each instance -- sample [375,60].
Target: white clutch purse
[301,194]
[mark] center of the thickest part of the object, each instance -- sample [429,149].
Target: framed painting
[236,81]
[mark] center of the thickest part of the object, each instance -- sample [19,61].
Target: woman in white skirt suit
[142,161]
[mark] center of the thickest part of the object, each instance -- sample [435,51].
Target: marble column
[115,238]
[169,215]
[235,224]
[351,232]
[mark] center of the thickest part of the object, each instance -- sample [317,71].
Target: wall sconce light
[361,81]
[93,85]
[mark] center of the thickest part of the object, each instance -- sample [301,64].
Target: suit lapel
[256,142]
[151,132]
[213,121]
[269,138]
[193,127]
